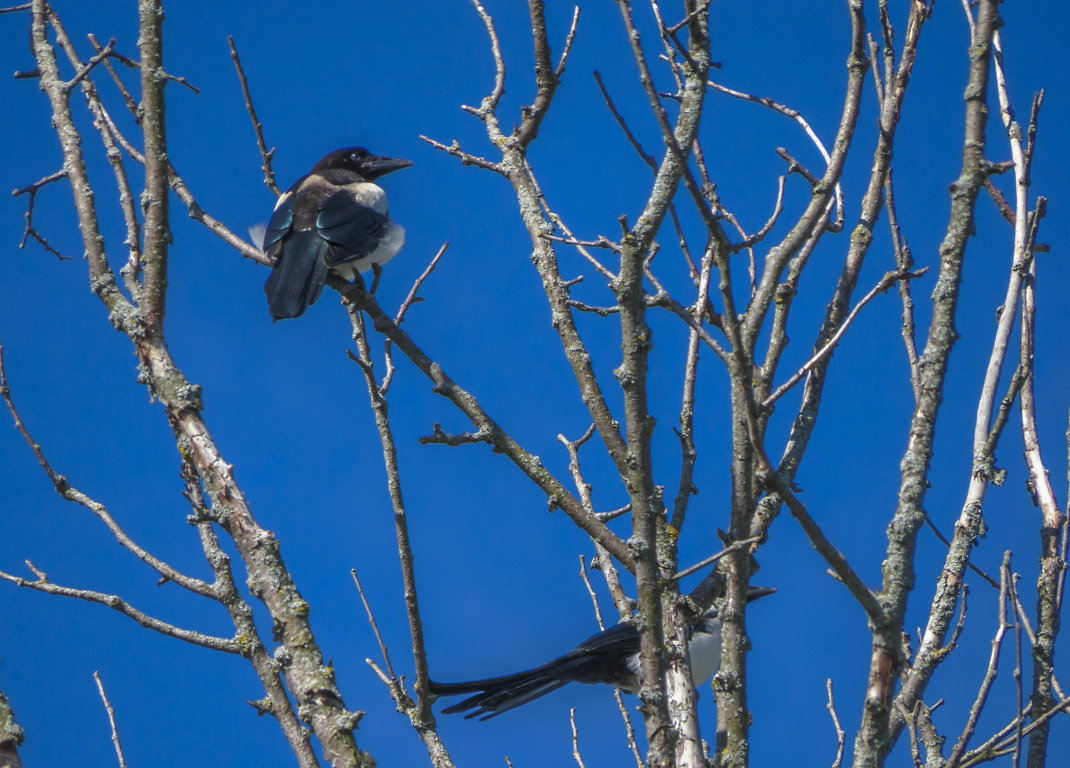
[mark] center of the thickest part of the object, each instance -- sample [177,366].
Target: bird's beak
[756,592]
[380,166]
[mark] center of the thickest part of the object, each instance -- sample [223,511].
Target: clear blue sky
[497,575]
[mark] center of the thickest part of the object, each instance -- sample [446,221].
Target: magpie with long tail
[610,657]
[334,218]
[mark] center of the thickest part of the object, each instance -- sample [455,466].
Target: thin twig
[886,282]
[911,721]
[1017,673]
[418,712]
[225,644]
[575,738]
[465,157]
[485,425]
[83,73]
[601,561]
[375,627]
[1002,743]
[629,729]
[29,231]
[990,672]
[591,593]
[601,242]
[714,558]
[111,720]
[559,222]
[840,736]
[399,318]
[69,493]
[904,260]
[794,115]
[943,539]
[123,91]
[265,154]
[569,39]
[613,514]
[184,194]
[600,311]
[757,237]
[491,102]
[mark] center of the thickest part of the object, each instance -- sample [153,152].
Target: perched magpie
[333,218]
[611,656]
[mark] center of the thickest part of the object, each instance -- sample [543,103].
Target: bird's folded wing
[352,228]
[279,224]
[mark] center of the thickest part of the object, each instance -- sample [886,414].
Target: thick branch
[874,738]
[155,197]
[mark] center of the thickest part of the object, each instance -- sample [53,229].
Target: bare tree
[728,291]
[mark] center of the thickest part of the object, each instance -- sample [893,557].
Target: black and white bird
[333,218]
[610,657]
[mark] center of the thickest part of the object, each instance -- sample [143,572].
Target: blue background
[497,575]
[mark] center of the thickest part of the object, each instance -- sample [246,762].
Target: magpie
[332,218]
[611,657]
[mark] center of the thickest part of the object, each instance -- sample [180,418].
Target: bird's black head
[359,160]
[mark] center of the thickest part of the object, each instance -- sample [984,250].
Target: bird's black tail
[496,695]
[298,276]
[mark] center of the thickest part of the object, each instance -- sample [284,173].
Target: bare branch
[1053,520]
[904,261]
[824,547]
[419,713]
[194,210]
[885,283]
[399,318]
[466,158]
[812,223]
[441,437]
[575,738]
[602,560]
[111,720]
[123,91]
[154,199]
[990,672]
[601,242]
[83,73]
[798,118]
[266,155]
[486,109]
[877,731]
[277,701]
[558,222]
[375,627]
[224,644]
[1002,744]
[752,240]
[468,405]
[714,558]
[569,39]
[69,493]
[29,231]
[831,707]
[590,590]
